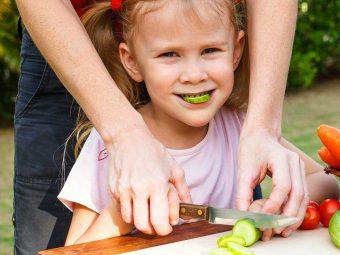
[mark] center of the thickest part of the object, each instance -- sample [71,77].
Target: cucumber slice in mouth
[197,99]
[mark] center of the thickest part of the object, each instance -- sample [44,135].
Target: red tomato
[327,208]
[313,203]
[311,219]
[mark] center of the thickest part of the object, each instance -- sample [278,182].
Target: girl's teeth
[201,94]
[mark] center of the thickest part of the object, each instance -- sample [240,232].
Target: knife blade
[230,216]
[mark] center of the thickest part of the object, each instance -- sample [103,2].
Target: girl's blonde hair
[107,28]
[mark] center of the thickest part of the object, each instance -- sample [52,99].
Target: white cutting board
[308,242]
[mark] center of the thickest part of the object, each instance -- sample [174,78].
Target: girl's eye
[209,50]
[169,54]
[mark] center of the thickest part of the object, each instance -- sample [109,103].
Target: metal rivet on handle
[183,210]
[199,212]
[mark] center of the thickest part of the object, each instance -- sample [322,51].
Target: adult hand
[147,181]
[261,152]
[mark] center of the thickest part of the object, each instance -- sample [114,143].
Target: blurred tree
[9,58]
[316,49]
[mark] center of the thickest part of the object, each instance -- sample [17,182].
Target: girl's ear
[129,62]
[238,49]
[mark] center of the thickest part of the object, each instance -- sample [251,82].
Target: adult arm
[271,26]
[141,167]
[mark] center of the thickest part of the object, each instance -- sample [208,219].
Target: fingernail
[278,230]
[265,239]
[287,233]
[174,222]
[128,220]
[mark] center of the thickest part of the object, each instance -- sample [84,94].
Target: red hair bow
[116,5]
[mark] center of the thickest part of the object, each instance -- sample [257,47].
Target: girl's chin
[197,119]
[198,124]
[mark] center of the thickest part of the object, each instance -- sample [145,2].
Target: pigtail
[104,29]
[238,99]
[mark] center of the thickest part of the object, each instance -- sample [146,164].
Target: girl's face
[183,58]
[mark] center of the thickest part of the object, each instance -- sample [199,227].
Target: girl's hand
[147,182]
[259,153]
[257,206]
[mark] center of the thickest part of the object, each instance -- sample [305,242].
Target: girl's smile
[196,100]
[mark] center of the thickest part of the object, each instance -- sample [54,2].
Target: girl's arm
[320,185]
[88,225]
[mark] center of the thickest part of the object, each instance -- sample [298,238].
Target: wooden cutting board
[199,238]
[137,241]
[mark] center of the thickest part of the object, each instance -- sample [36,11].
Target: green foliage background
[316,50]
[9,59]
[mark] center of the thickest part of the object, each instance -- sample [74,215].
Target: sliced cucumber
[221,251]
[237,249]
[222,241]
[245,228]
[197,99]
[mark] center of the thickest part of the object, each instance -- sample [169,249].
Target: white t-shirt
[210,167]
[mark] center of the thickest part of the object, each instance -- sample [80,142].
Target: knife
[230,216]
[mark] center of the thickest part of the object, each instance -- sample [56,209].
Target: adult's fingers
[244,194]
[159,212]
[173,205]
[296,196]
[267,234]
[301,213]
[302,210]
[281,184]
[126,206]
[245,184]
[141,214]
[256,206]
[178,180]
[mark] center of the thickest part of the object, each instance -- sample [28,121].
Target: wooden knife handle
[192,211]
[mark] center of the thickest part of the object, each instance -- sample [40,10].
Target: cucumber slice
[221,251]
[237,249]
[222,241]
[245,228]
[197,99]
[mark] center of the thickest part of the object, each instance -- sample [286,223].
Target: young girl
[183,64]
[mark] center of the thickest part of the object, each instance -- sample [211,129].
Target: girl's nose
[193,74]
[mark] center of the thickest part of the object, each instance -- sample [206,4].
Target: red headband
[116,5]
